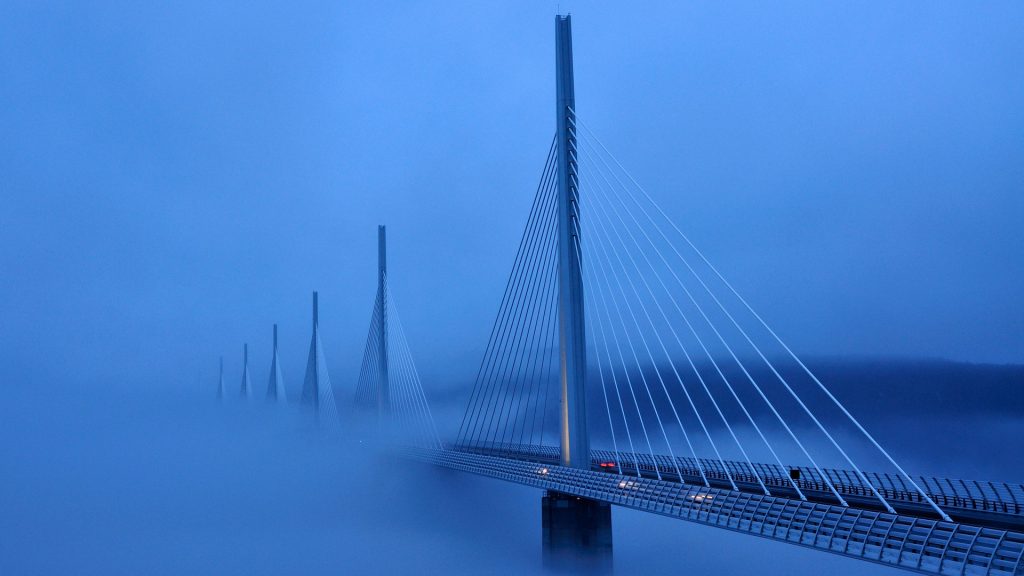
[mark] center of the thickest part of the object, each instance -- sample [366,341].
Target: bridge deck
[990,504]
[912,543]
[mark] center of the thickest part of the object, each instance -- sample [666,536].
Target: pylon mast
[575,442]
[383,392]
[311,385]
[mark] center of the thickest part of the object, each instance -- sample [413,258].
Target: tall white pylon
[220,382]
[246,390]
[275,387]
[316,388]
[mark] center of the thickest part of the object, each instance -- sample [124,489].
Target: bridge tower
[577,532]
[575,442]
[220,384]
[275,387]
[316,387]
[383,393]
[246,390]
[311,385]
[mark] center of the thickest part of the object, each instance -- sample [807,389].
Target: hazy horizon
[178,178]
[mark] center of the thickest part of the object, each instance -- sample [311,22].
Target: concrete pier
[577,534]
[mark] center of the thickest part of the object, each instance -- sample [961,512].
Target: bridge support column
[575,443]
[577,534]
[383,388]
[311,384]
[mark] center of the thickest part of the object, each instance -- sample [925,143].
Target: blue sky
[178,177]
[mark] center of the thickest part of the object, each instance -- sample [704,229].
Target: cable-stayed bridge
[389,385]
[624,369]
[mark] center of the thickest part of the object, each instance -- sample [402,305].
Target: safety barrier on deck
[983,496]
[912,543]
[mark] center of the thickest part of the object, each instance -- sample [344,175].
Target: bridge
[623,369]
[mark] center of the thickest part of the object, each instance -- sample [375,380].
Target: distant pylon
[383,387]
[220,385]
[246,391]
[275,388]
[316,388]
